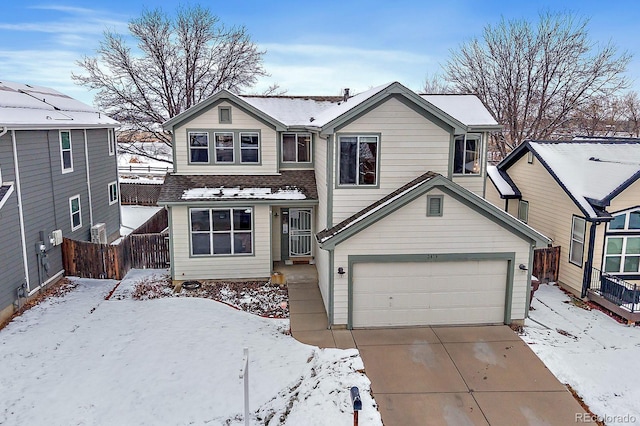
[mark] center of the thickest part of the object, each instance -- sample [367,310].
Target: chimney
[346,95]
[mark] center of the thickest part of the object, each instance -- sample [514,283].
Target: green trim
[230,255]
[331,314]
[220,119]
[452,147]
[230,203]
[440,211]
[293,164]
[173,152]
[237,149]
[172,252]
[284,238]
[480,158]
[378,158]
[435,257]
[209,140]
[529,274]
[329,178]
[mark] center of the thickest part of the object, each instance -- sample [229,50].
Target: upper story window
[66,155]
[111,140]
[226,231]
[113,193]
[296,148]
[198,147]
[466,157]
[249,148]
[224,114]
[224,147]
[358,163]
[622,246]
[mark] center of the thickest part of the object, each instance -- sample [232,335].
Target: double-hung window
[466,156]
[576,250]
[622,247]
[249,147]
[75,212]
[224,147]
[113,193]
[66,154]
[296,148]
[523,211]
[111,141]
[198,147]
[358,163]
[226,231]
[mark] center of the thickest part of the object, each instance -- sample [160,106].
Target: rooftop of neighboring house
[24,106]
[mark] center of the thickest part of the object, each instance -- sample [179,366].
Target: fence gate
[546,264]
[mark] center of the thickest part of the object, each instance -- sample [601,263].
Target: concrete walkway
[439,375]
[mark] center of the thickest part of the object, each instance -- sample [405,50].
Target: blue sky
[312,47]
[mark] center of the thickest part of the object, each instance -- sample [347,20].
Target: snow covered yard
[82,360]
[131,217]
[593,353]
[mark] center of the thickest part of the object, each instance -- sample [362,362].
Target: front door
[299,232]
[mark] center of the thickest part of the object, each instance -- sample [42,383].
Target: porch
[616,295]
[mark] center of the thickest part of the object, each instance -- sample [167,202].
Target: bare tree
[600,116]
[178,62]
[533,77]
[631,105]
[435,84]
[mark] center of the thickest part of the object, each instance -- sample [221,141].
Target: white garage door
[429,293]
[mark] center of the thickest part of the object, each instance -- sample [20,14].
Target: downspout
[23,236]
[331,289]
[588,266]
[86,159]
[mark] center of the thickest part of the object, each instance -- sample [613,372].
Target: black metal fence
[615,290]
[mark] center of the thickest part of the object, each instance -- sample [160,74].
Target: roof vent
[345,96]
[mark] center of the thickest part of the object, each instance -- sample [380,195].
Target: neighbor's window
[358,160]
[75,212]
[296,147]
[249,148]
[65,151]
[523,211]
[221,231]
[622,247]
[434,205]
[224,114]
[466,157]
[113,193]
[111,140]
[576,250]
[198,147]
[224,147]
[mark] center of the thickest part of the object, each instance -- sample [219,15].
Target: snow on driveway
[593,353]
[81,360]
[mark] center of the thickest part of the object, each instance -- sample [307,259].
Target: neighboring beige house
[382,191]
[584,195]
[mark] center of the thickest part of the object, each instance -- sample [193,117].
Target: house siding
[410,145]
[322,256]
[409,231]
[187,267]
[209,120]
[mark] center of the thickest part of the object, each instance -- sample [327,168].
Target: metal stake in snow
[244,374]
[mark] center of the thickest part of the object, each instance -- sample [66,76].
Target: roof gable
[331,237]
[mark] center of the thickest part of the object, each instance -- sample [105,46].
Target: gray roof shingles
[175,185]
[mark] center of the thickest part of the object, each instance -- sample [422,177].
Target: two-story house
[58,177]
[382,190]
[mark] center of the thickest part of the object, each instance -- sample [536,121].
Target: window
[434,205]
[221,231]
[113,193]
[358,160]
[622,246]
[75,212]
[530,157]
[249,148]
[576,250]
[523,211]
[224,147]
[198,147]
[466,157]
[296,148]
[224,114]
[65,151]
[111,140]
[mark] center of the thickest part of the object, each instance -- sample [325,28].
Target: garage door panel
[429,293]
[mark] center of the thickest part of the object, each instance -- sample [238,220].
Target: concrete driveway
[461,376]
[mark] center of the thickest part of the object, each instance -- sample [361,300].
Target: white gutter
[86,158]
[20,209]
[5,129]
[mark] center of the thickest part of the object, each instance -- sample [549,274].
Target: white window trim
[258,148]
[203,148]
[233,148]
[357,164]
[211,232]
[69,170]
[577,240]
[71,213]
[297,160]
[623,255]
[523,212]
[111,137]
[115,185]
[475,136]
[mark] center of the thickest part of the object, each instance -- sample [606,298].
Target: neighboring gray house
[58,177]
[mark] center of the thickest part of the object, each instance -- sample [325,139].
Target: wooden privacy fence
[546,264]
[140,194]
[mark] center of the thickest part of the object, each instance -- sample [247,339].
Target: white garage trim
[444,257]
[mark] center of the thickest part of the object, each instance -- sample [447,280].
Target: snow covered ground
[594,354]
[83,360]
[131,217]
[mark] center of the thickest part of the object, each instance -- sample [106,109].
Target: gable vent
[434,206]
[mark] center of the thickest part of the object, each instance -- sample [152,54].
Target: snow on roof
[590,169]
[292,111]
[340,108]
[467,109]
[27,106]
[502,185]
[243,193]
